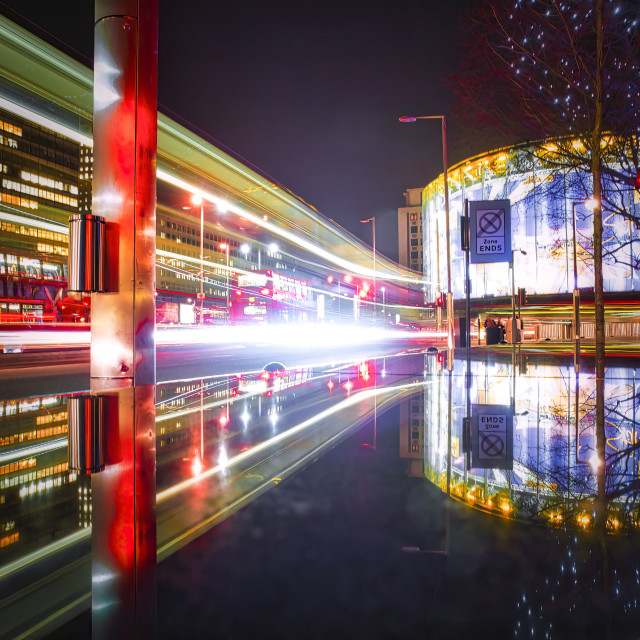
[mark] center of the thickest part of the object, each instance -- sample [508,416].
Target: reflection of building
[40,499]
[178,412]
[195,418]
[543,199]
[412,433]
[410,230]
[555,463]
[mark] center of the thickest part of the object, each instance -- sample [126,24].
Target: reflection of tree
[622,484]
[588,478]
[589,590]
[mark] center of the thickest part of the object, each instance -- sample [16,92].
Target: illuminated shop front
[545,200]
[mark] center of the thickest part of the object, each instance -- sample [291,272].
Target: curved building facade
[548,203]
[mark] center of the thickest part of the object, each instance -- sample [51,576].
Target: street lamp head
[273,247]
[591,204]
[367,220]
[407,118]
[196,199]
[224,246]
[245,248]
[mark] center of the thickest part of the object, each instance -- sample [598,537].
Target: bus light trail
[305,424]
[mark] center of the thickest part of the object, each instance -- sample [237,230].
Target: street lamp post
[372,220]
[576,296]
[225,247]
[446,210]
[198,201]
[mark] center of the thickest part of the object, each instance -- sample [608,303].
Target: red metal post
[123,318]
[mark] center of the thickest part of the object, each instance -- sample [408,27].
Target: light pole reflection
[590,205]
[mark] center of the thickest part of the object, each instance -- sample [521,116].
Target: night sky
[309,96]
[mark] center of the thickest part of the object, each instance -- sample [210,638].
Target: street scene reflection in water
[560,470]
[538,538]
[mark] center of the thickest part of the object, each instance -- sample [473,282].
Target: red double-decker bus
[268,296]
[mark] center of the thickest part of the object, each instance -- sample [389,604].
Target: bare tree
[568,70]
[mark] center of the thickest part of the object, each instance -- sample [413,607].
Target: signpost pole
[514,330]
[466,243]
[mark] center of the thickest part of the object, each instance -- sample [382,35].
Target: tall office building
[410,230]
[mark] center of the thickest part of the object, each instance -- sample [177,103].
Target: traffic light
[440,302]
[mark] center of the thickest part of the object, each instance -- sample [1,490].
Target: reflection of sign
[255,310]
[492,436]
[490,231]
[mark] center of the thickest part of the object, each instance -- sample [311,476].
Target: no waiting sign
[490,222]
[492,436]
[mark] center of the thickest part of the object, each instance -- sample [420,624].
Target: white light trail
[22,339]
[222,204]
[283,233]
[39,224]
[285,335]
[305,424]
[12,107]
[42,553]
[27,452]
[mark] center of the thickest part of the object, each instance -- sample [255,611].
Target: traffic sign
[492,436]
[490,222]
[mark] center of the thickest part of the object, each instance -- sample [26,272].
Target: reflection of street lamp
[348,279]
[446,213]
[383,308]
[197,200]
[225,246]
[372,220]
[576,292]
[590,205]
[447,526]
[514,328]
